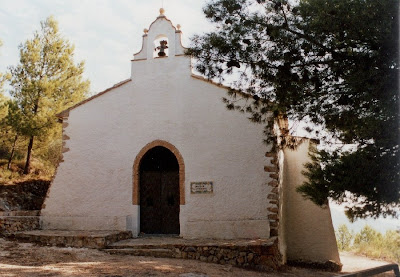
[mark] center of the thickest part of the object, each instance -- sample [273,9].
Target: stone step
[260,254]
[127,244]
[178,242]
[78,239]
[154,252]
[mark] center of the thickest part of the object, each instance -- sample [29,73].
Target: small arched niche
[161,47]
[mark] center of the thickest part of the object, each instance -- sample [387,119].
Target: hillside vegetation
[370,243]
[45,82]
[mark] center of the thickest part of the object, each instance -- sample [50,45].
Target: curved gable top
[162,16]
[161,27]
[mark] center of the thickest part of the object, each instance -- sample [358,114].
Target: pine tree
[45,82]
[3,114]
[344,237]
[332,63]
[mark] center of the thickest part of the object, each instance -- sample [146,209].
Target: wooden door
[169,202]
[159,192]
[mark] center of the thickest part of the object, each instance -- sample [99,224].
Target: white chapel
[159,153]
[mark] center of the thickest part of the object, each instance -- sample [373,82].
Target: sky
[106,33]
[381,224]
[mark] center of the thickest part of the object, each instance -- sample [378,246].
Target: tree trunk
[27,168]
[28,157]
[12,153]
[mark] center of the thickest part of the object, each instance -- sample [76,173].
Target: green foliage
[11,146]
[367,236]
[370,243]
[330,63]
[49,147]
[344,238]
[3,99]
[45,82]
[373,244]
[391,242]
[3,106]
[6,134]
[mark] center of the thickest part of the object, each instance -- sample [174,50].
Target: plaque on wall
[201,187]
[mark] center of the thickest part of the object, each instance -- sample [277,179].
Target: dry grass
[39,170]
[387,248]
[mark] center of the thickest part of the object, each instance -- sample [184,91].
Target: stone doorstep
[79,239]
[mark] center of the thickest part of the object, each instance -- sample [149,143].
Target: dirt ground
[352,263]
[26,259]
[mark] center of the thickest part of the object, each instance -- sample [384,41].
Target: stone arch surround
[136,170]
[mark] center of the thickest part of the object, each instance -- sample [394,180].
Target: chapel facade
[159,153]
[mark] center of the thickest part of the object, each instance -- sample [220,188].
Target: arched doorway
[159,192]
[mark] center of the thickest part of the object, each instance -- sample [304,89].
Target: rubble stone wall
[260,257]
[20,205]
[16,221]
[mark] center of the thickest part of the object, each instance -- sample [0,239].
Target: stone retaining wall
[16,221]
[20,205]
[23,196]
[253,254]
[261,257]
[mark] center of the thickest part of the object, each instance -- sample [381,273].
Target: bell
[162,47]
[161,53]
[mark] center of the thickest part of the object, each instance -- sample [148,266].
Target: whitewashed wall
[306,229]
[93,186]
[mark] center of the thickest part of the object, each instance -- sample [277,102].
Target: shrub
[344,238]
[370,243]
